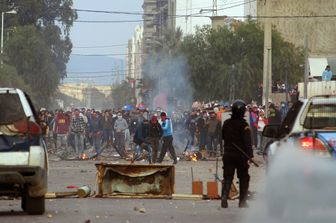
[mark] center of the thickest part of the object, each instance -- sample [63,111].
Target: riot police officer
[236,133]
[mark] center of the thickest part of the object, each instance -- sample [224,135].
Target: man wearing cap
[167,138]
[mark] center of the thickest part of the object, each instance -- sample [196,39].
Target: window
[11,109]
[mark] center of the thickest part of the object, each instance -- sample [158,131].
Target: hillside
[100,70]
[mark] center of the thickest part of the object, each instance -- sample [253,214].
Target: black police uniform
[236,131]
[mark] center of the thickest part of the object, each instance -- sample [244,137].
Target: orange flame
[84,156]
[193,157]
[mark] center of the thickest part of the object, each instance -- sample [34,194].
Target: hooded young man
[167,138]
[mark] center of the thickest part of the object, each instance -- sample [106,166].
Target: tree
[122,94]
[10,78]
[29,53]
[227,62]
[39,47]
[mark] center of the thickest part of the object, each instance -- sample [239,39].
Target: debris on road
[187,197]
[140,210]
[135,180]
[81,192]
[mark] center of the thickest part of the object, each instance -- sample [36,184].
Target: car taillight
[28,127]
[311,143]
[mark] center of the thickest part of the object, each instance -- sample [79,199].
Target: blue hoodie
[167,128]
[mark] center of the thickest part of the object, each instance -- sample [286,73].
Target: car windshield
[11,109]
[321,116]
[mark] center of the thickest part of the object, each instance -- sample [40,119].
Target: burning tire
[32,205]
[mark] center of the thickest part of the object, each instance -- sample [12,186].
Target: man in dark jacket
[154,135]
[237,136]
[107,123]
[141,139]
[95,130]
[213,132]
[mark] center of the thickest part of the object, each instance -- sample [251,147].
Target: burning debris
[191,156]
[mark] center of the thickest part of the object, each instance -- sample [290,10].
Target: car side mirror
[271,131]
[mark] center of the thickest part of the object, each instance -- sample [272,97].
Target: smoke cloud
[299,188]
[170,83]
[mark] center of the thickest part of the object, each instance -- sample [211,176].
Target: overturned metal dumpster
[132,180]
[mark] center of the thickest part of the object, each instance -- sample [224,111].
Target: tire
[32,205]
[24,203]
[35,205]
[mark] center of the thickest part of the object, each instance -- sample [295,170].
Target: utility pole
[306,70]
[267,68]
[214,7]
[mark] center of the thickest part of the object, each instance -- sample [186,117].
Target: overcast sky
[104,34]
[90,35]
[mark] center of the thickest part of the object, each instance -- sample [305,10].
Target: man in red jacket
[62,123]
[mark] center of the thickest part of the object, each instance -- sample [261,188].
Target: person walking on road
[95,131]
[120,126]
[237,136]
[62,125]
[78,127]
[167,138]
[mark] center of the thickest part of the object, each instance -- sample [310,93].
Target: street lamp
[2,29]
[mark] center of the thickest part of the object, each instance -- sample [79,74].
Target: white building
[199,8]
[135,52]
[134,59]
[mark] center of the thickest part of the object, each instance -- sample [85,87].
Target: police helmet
[238,108]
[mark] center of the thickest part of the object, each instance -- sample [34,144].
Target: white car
[23,154]
[301,157]
[312,122]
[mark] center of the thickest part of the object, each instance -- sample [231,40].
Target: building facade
[159,16]
[134,60]
[316,22]
[229,22]
[85,93]
[134,55]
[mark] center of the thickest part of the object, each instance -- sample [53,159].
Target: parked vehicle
[312,123]
[312,132]
[280,131]
[23,153]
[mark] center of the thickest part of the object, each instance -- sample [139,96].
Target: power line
[112,12]
[237,5]
[102,55]
[141,20]
[237,17]
[98,72]
[91,47]
[100,76]
[109,21]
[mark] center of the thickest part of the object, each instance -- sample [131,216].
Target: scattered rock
[50,216]
[140,210]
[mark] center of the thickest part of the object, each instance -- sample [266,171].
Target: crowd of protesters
[152,131]
[77,129]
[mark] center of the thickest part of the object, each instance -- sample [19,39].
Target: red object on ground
[72,187]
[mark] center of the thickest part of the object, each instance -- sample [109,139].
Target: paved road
[73,210]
